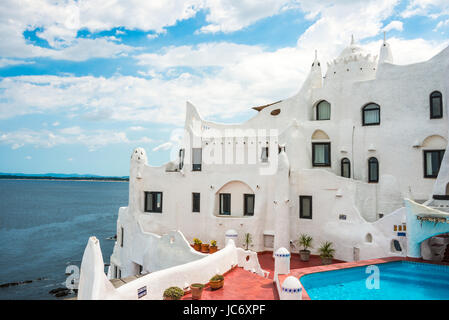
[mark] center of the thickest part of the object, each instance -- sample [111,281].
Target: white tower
[385,53]
[316,77]
[281,203]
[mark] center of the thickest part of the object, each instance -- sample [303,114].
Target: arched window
[345,168]
[373,170]
[321,149]
[323,110]
[371,114]
[436,105]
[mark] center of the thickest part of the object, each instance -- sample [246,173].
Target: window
[195,202]
[122,236]
[181,158]
[248,204]
[371,114]
[432,162]
[305,207]
[323,111]
[321,154]
[345,168]
[153,202]
[140,269]
[436,105]
[225,203]
[196,159]
[264,156]
[373,170]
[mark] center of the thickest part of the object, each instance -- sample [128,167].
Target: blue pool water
[401,280]
[45,225]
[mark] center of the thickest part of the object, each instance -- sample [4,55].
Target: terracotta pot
[217,284]
[205,248]
[197,247]
[213,249]
[304,255]
[197,291]
[326,260]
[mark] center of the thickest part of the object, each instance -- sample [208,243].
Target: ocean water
[45,225]
[402,280]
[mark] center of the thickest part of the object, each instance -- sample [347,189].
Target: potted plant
[205,248]
[248,240]
[216,282]
[197,244]
[305,242]
[326,252]
[213,246]
[197,290]
[173,293]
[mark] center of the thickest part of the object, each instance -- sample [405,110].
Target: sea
[44,229]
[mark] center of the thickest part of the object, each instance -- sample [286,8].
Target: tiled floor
[241,285]
[266,261]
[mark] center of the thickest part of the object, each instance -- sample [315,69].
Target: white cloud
[230,15]
[164,146]
[393,25]
[411,51]
[242,76]
[48,139]
[441,24]
[205,54]
[28,158]
[12,62]
[137,128]
[431,8]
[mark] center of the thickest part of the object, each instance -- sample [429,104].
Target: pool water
[399,280]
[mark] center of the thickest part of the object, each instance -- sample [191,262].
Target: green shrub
[326,250]
[305,242]
[217,277]
[174,292]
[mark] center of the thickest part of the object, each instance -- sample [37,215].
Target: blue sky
[82,83]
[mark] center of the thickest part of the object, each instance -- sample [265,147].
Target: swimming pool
[399,280]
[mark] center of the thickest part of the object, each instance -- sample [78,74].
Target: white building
[334,161]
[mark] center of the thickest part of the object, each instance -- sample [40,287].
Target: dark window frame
[432,116]
[349,168]
[245,208]
[370,179]
[197,166]
[182,153]
[317,111]
[363,114]
[122,236]
[219,208]
[441,151]
[196,208]
[327,164]
[154,209]
[262,159]
[301,213]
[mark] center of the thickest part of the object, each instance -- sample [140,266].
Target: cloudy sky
[82,83]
